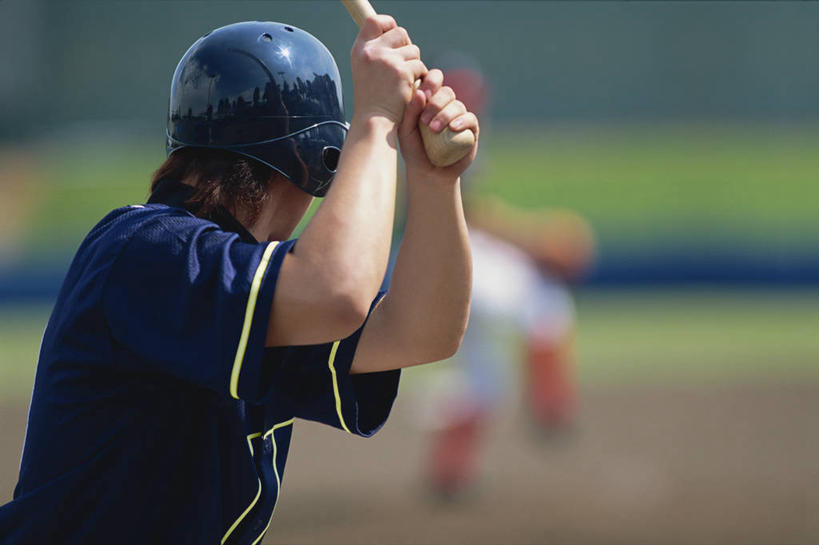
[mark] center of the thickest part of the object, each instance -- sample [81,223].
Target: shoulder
[149,228]
[130,219]
[154,225]
[124,222]
[156,239]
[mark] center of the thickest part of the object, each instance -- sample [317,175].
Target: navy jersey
[158,416]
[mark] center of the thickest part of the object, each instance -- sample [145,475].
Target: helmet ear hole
[330,156]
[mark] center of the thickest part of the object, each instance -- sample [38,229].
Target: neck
[261,227]
[274,220]
[281,210]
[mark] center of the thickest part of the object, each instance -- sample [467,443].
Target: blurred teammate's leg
[481,373]
[454,456]
[550,362]
[477,382]
[552,394]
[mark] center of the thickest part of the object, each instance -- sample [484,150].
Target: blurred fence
[80,60]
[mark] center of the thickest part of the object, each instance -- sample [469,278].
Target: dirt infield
[694,464]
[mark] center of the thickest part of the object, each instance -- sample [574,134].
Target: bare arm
[423,317]
[327,283]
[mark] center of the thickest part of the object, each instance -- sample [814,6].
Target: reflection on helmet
[265,90]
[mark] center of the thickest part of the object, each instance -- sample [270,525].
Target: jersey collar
[177,194]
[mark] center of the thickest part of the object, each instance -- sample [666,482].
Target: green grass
[21,328]
[755,183]
[697,335]
[624,337]
[654,184]
[82,184]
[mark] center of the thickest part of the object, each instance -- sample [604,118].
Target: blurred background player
[522,314]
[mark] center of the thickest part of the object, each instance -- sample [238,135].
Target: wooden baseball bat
[443,148]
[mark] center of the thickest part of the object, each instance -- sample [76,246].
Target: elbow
[444,342]
[452,342]
[457,332]
[349,297]
[347,310]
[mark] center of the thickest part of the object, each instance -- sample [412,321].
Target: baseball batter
[190,332]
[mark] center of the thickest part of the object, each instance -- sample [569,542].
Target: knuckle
[443,117]
[441,100]
[451,112]
[368,53]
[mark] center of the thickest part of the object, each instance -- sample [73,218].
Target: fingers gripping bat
[443,148]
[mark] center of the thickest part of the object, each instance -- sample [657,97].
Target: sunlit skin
[281,212]
[328,281]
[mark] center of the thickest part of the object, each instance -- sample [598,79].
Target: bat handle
[444,148]
[359,10]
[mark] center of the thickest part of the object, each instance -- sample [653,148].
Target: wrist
[375,129]
[430,178]
[430,184]
[373,122]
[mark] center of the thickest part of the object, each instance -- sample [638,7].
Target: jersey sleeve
[314,382]
[185,300]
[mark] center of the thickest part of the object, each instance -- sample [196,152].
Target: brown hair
[219,177]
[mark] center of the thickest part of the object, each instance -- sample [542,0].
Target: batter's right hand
[385,66]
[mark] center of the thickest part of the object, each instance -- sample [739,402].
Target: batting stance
[190,332]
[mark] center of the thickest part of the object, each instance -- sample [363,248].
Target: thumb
[412,113]
[376,25]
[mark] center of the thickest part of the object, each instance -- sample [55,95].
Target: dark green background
[69,61]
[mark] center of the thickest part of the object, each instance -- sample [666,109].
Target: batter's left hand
[437,106]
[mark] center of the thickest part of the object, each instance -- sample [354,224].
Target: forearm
[327,283]
[423,317]
[432,282]
[349,236]
[425,313]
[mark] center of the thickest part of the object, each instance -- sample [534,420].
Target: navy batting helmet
[265,90]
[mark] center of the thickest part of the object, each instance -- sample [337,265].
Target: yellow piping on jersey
[249,310]
[258,493]
[275,472]
[330,362]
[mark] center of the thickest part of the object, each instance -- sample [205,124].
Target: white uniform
[511,298]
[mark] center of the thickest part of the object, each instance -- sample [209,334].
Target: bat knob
[446,147]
